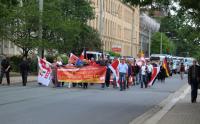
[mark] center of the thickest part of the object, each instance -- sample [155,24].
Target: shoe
[194,101]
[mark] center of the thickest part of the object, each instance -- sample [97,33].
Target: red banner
[85,74]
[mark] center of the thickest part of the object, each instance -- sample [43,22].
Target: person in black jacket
[108,72]
[5,69]
[193,80]
[24,69]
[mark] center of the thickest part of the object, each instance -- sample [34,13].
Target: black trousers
[7,76]
[194,90]
[149,76]
[24,78]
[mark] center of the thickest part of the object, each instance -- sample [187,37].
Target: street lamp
[161,43]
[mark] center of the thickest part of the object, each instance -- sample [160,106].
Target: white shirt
[59,63]
[150,68]
[143,70]
[123,68]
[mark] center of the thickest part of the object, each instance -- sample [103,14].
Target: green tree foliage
[23,26]
[63,22]
[167,45]
[6,8]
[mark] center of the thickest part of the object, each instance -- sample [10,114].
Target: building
[118,25]
[8,48]
[147,27]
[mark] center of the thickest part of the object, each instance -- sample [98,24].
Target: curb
[153,115]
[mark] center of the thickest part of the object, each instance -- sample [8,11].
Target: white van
[93,54]
[157,57]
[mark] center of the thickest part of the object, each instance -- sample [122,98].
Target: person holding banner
[123,72]
[108,72]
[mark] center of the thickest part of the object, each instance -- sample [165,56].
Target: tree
[6,7]
[65,26]
[167,45]
[23,25]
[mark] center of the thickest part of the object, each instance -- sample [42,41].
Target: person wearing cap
[193,80]
[123,72]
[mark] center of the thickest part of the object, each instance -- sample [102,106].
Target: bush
[15,61]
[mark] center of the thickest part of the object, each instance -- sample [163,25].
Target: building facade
[118,25]
[8,48]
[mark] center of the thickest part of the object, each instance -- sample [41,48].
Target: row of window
[116,8]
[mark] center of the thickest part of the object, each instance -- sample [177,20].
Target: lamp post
[161,43]
[41,50]
[149,42]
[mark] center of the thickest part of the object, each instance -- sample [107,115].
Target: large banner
[87,74]
[44,74]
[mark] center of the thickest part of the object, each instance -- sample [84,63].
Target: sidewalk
[18,79]
[183,112]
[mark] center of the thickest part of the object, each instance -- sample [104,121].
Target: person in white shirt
[143,75]
[123,72]
[149,71]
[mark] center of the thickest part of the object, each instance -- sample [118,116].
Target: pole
[101,18]
[161,43]
[149,42]
[101,22]
[132,31]
[41,50]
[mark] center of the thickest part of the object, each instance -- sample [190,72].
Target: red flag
[115,71]
[73,58]
[115,64]
[82,56]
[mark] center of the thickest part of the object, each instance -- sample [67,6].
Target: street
[35,104]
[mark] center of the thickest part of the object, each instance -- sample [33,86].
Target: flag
[165,66]
[82,55]
[155,72]
[73,58]
[44,74]
[115,71]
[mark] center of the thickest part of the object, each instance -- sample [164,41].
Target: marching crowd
[130,73]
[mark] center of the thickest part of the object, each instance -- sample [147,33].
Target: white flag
[44,74]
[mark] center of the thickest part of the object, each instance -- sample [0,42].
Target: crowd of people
[130,73]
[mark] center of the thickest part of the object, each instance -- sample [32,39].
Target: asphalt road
[45,105]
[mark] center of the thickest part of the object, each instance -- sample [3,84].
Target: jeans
[138,78]
[144,81]
[122,78]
